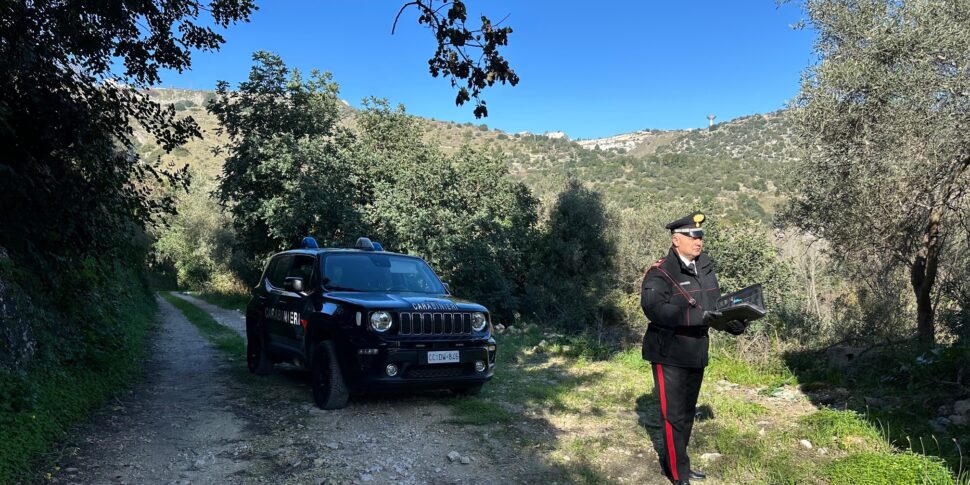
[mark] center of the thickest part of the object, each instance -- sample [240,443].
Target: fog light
[391,370]
[480,365]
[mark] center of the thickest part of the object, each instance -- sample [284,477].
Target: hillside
[736,166]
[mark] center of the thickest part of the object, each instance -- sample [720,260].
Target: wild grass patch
[887,468]
[771,374]
[844,430]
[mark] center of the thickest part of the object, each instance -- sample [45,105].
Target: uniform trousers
[678,388]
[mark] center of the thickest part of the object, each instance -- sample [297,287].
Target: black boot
[697,475]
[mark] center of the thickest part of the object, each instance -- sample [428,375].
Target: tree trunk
[923,276]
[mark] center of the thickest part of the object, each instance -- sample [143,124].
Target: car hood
[405,301]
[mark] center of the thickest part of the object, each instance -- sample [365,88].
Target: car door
[295,304]
[277,326]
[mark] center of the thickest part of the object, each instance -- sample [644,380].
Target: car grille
[453,370]
[431,323]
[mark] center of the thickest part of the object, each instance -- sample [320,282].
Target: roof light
[309,243]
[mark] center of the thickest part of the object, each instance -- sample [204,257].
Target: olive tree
[883,116]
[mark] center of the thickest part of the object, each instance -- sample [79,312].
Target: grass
[226,340]
[229,301]
[906,467]
[589,413]
[41,404]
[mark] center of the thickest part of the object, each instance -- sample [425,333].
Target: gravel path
[198,419]
[230,318]
[176,427]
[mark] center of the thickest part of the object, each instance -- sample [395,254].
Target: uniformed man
[679,296]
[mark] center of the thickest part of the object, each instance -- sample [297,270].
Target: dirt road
[196,419]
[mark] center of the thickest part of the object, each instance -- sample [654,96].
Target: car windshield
[379,272]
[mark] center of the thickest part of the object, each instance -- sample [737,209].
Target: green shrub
[73,373]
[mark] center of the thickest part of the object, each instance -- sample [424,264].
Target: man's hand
[710,316]
[735,327]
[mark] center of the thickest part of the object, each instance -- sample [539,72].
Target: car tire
[256,358]
[468,390]
[329,390]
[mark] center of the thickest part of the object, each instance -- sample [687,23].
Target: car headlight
[478,321]
[380,321]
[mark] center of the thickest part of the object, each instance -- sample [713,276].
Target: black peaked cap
[693,220]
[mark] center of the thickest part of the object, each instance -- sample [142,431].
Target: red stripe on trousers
[671,454]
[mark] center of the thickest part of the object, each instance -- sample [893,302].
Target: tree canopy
[883,118]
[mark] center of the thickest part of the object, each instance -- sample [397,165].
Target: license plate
[443,357]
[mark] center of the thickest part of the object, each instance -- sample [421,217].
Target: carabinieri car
[364,319]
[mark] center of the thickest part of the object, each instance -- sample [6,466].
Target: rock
[762,432]
[499,328]
[543,343]
[805,444]
[959,419]
[366,477]
[454,456]
[710,457]
[962,407]
[940,424]
[874,402]
[318,462]
[333,446]
[71,470]
[465,460]
[437,470]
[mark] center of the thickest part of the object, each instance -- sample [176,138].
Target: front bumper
[414,371]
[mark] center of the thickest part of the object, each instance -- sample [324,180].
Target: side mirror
[447,286]
[293,284]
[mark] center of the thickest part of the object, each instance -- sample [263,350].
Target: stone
[366,477]
[71,470]
[959,419]
[961,407]
[465,460]
[333,446]
[710,457]
[805,444]
[454,456]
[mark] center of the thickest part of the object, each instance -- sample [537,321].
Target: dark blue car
[364,319]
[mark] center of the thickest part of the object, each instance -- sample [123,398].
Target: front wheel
[256,358]
[329,390]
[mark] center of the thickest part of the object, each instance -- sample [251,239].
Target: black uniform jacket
[674,300]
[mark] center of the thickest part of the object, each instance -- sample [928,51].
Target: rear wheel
[329,390]
[473,390]
[256,357]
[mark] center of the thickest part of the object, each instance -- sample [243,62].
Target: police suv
[364,319]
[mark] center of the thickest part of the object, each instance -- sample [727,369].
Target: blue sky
[590,71]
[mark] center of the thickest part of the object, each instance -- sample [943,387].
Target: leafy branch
[452,58]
